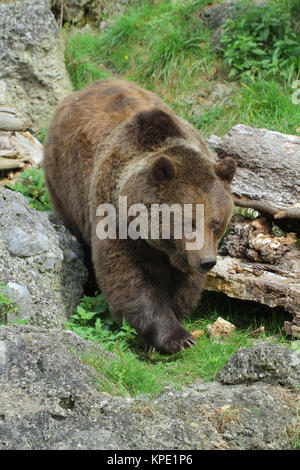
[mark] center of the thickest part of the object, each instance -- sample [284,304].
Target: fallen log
[268,173]
[268,164]
[10,164]
[17,150]
[255,262]
[9,122]
[244,280]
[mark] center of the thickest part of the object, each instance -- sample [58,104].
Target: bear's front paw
[177,339]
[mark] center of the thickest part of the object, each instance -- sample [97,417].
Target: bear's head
[187,194]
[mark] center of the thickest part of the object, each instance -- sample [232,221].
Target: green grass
[257,103]
[165,47]
[134,371]
[148,44]
[82,60]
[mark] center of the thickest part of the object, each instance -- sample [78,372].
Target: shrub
[31,183]
[6,305]
[262,41]
[93,321]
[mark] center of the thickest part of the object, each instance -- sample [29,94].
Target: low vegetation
[31,183]
[7,306]
[166,47]
[135,371]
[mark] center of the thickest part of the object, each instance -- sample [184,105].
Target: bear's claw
[174,345]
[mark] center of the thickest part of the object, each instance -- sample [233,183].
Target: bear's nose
[207,264]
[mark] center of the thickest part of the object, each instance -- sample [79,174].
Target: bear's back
[102,106]
[81,125]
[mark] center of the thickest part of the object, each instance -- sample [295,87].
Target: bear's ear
[153,127]
[163,169]
[225,169]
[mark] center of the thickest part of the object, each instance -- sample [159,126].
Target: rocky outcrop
[49,399]
[40,262]
[33,78]
[87,11]
[263,361]
[215,16]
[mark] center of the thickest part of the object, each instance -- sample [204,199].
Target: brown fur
[115,139]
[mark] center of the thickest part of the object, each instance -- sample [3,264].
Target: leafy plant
[6,305]
[31,183]
[93,321]
[261,41]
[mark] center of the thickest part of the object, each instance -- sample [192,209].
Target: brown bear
[115,139]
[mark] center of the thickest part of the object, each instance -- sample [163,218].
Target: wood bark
[18,148]
[9,122]
[268,174]
[254,263]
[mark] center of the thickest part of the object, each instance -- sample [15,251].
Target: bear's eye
[216,225]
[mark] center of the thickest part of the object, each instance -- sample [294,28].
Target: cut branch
[263,207]
[268,210]
[291,213]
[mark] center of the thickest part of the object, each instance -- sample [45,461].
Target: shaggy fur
[115,139]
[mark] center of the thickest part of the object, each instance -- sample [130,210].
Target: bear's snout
[207,264]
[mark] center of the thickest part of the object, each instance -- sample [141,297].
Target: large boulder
[40,262]
[33,78]
[49,399]
[264,361]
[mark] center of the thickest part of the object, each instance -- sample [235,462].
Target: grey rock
[20,243]
[80,11]
[33,78]
[32,254]
[49,399]
[216,15]
[263,361]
